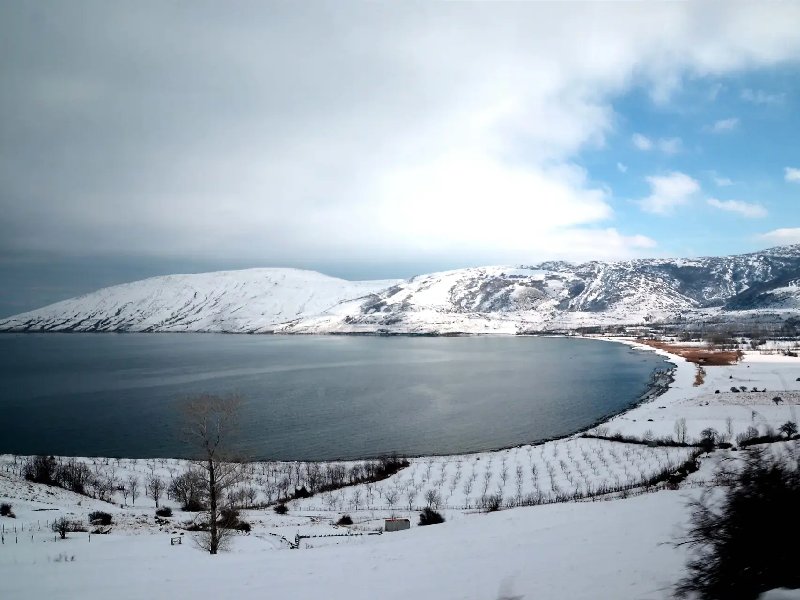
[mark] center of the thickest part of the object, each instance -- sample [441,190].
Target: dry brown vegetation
[700,376]
[706,357]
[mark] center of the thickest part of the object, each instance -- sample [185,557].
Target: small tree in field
[432,498]
[210,428]
[155,487]
[133,487]
[61,526]
[788,429]
[708,437]
[680,431]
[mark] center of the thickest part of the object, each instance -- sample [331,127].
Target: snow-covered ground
[703,407]
[616,547]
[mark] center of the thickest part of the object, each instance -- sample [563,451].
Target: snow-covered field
[616,547]
[702,407]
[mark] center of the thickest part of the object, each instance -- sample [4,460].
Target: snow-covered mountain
[548,296]
[251,300]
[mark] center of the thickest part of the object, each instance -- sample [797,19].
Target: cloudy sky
[384,140]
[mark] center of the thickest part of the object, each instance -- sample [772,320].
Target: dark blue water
[309,397]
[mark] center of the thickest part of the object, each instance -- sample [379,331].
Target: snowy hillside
[558,295]
[251,300]
[548,296]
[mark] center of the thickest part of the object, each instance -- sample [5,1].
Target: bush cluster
[62,526]
[189,489]
[99,517]
[71,474]
[745,543]
[428,516]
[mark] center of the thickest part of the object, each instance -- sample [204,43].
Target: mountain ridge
[552,295]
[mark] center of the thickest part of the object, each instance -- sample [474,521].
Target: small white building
[396,524]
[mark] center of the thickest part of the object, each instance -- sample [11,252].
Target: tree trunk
[212,500]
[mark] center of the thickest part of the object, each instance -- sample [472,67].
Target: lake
[309,397]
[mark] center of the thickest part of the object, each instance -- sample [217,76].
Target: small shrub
[228,517]
[62,526]
[5,510]
[492,502]
[428,516]
[99,517]
[243,526]
[344,520]
[164,511]
[281,509]
[302,492]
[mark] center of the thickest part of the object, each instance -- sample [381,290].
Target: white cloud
[372,131]
[666,145]
[642,142]
[622,168]
[474,198]
[721,181]
[670,145]
[746,209]
[791,174]
[762,97]
[780,237]
[724,125]
[668,192]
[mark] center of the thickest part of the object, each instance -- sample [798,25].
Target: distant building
[397,524]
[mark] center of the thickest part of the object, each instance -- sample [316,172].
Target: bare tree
[133,487]
[62,526]
[355,498]
[432,498]
[680,431]
[270,487]
[411,495]
[155,487]
[210,426]
[789,428]
[391,497]
[251,494]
